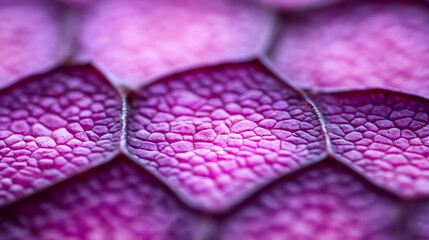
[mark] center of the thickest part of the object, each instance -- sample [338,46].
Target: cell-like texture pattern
[143,39]
[215,134]
[325,202]
[30,38]
[366,44]
[297,4]
[53,125]
[116,201]
[382,134]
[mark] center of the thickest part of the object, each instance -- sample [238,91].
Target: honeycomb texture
[30,38]
[383,134]
[116,201]
[216,133]
[366,44]
[325,201]
[142,39]
[54,124]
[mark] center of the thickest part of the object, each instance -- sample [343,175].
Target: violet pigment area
[382,134]
[289,5]
[418,222]
[357,45]
[114,201]
[215,134]
[324,200]
[214,120]
[163,36]
[31,38]
[55,125]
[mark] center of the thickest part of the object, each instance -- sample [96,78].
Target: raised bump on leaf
[30,38]
[326,201]
[214,134]
[366,44]
[383,134]
[53,125]
[114,201]
[143,39]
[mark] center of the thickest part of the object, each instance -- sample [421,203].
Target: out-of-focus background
[318,44]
